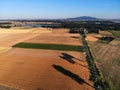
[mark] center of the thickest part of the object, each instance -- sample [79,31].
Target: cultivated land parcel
[107,56]
[42,69]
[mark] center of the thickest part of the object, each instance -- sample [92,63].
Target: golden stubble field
[57,36]
[37,69]
[107,57]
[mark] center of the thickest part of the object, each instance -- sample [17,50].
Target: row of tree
[89,25]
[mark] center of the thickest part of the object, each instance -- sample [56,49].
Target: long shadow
[69,58]
[75,37]
[71,75]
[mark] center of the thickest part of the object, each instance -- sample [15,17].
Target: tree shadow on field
[71,75]
[69,58]
[76,37]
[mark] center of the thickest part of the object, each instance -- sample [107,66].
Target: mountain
[84,18]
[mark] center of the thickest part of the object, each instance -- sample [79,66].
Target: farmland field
[58,36]
[9,37]
[115,33]
[50,46]
[35,69]
[107,57]
[39,69]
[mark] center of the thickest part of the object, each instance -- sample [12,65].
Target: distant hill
[88,18]
[84,18]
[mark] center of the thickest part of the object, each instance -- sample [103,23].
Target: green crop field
[115,32]
[50,46]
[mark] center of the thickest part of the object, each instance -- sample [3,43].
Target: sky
[55,9]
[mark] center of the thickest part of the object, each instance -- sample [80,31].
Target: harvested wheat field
[57,36]
[91,38]
[44,70]
[9,37]
[39,69]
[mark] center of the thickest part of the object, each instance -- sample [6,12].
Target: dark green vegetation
[6,25]
[106,39]
[50,46]
[115,33]
[102,25]
[89,25]
[95,75]
[109,36]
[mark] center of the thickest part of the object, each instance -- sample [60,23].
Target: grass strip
[50,46]
[95,75]
[115,32]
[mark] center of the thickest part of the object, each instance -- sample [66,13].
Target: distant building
[86,31]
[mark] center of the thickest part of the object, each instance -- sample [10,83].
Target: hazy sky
[40,9]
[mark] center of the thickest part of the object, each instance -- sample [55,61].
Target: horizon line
[54,18]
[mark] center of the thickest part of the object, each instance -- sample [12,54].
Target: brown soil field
[95,35]
[4,49]
[91,38]
[32,69]
[115,42]
[44,70]
[58,36]
[9,37]
[105,33]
